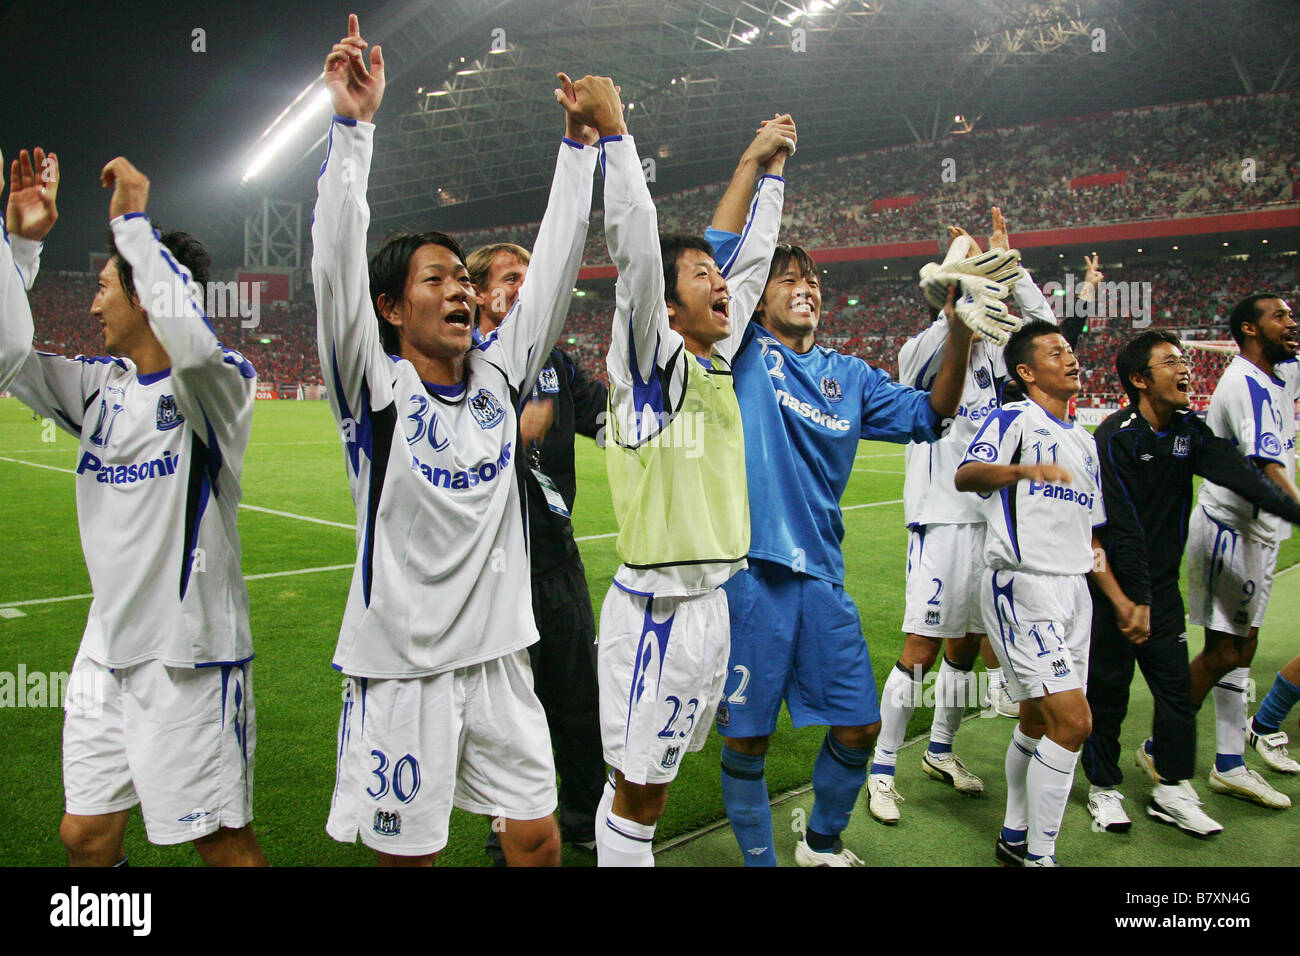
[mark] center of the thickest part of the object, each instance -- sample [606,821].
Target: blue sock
[744,794]
[883,768]
[838,776]
[1225,762]
[938,748]
[1149,745]
[1014,837]
[1273,709]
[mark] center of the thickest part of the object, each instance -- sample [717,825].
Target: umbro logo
[1146,457]
[756,850]
[1042,431]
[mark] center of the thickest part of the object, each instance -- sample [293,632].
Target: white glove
[987,317]
[996,264]
[936,278]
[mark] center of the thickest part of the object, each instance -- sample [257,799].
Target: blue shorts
[797,638]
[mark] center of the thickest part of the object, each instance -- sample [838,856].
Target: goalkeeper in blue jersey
[795,632]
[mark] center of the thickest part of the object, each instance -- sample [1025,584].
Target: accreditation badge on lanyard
[554,500]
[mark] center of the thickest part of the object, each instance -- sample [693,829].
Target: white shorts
[409,749]
[674,652]
[1229,576]
[944,564]
[178,741]
[1040,626]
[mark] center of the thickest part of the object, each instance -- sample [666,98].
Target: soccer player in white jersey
[945,543]
[439,707]
[1038,481]
[1231,546]
[160,705]
[675,458]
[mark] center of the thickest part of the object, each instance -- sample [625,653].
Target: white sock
[1019,753]
[952,692]
[897,704]
[996,679]
[1050,777]
[622,842]
[1230,712]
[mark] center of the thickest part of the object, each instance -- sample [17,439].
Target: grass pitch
[298,571]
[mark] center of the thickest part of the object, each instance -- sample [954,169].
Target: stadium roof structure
[469,126]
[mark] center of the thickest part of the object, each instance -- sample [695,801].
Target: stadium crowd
[1169,162]
[872,319]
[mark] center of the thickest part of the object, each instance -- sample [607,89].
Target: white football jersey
[1256,412]
[20,260]
[1032,525]
[442,575]
[158,475]
[929,496]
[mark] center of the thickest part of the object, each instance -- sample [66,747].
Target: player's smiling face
[702,312]
[121,320]
[437,308]
[792,302]
[1055,370]
[1277,330]
[499,292]
[1168,376]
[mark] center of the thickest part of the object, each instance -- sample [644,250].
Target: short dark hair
[671,246]
[184,248]
[1247,310]
[389,268]
[1020,348]
[782,256]
[1135,355]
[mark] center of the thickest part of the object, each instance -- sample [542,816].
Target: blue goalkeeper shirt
[803,416]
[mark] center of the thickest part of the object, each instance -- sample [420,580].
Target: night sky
[93,80]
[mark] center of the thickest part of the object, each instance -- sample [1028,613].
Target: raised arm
[352,359]
[214,385]
[747,221]
[29,216]
[51,385]
[530,329]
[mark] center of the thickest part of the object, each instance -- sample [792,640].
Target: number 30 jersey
[1044,527]
[442,577]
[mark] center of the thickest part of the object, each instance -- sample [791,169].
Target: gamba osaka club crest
[488,412]
[549,381]
[831,388]
[169,416]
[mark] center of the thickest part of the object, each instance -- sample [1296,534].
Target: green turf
[295,465]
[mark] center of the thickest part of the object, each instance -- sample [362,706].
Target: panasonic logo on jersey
[129,474]
[467,478]
[1061,494]
[815,415]
[978,414]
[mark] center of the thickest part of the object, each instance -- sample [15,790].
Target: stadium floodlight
[311,104]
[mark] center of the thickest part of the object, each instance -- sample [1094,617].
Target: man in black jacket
[1149,452]
[563,402]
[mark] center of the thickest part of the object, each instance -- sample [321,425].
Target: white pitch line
[596,537]
[19,461]
[290,514]
[247,577]
[873,504]
[269,511]
[878,471]
[886,454]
